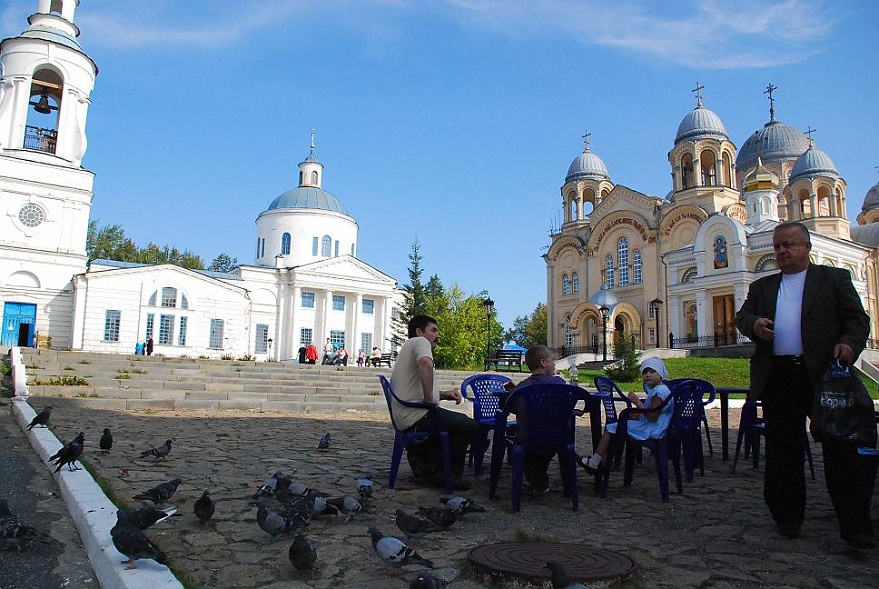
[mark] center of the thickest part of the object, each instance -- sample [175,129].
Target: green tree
[529,330]
[414,297]
[223,263]
[109,243]
[626,367]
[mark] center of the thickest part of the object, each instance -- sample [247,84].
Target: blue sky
[450,121]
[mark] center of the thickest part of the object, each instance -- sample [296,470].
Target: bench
[384,359]
[508,358]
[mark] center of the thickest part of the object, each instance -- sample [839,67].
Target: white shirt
[789,315]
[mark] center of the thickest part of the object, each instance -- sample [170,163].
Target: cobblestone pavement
[717,534]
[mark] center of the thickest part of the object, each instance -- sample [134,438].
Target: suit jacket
[832,314]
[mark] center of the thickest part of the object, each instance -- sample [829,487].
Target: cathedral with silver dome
[306,284]
[671,271]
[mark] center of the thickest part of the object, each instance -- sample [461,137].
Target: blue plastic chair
[666,448]
[609,394]
[480,389]
[403,438]
[751,427]
[545,417]
[693,450]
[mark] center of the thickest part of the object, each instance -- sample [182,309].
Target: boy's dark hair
[535,354]
[420,322]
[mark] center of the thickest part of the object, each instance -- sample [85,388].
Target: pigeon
[273,523]
[15,532]
[160,493]
[204,507]
[461,505]
[365,488]
[269,487]
[347,505]
[159,451]
[70,453]
[302,553]
[324,442]
[394,551]
[425,580]
[106,440]
[560,579]
[414,526]
[133,543]
[42,418]
[443,516]
[144,517]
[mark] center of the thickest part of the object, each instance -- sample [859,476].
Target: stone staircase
[158,382]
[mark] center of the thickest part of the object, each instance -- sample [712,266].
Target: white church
[306,283]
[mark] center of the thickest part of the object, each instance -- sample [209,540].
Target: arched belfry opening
[41,130]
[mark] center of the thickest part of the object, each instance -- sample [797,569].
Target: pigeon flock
[284,508]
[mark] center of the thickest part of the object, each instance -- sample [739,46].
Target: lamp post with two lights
[655,307]
[489,309]
[605,313]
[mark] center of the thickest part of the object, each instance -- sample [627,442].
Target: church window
[149,323]
[337,338]
[166,330]
[305,335]
[637,267]
[301,178]
[566,285]
[215,342]
[569,334]
[262,247]
[767,262]
[574,210]
[366,342]
[314,246]
[336,249]
[689,275]
[325,245]
[261,344]
[308,300]
[708,164]
[181,332]
[623,255]
[285,244]
[152,301]
[368,307]
[338,302]
[169,296]
[314,178]
[111,325]
[184,302]
[687,171]
[41,127]
[726,178]
[575,283]
[31,215]
[609,274]
[257,247]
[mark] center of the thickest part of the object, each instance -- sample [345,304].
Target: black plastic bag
[842,408]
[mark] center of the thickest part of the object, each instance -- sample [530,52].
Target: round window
[31,215]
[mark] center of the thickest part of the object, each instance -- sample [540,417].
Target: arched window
[687,171]
[637,267]
[708,168]
[566,285]
[726,178]
[623,256]
[285,244]
[609,274]
[689,274]
[569,335]
[574,210]
[314,178]
[326,245]
[575,284]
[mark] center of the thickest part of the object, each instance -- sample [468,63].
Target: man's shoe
[860,540]
[791,531]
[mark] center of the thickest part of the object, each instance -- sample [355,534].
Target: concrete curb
[94,514]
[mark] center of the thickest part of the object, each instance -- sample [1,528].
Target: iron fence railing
[709,341]
[40,139]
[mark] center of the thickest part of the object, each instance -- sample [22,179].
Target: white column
[328,307]
[355,327]
[702,310]
[289,334]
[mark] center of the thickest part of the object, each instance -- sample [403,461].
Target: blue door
[19,322]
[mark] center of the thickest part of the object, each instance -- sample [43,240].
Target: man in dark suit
[801,319]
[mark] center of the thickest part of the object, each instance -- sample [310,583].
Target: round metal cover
[527,560]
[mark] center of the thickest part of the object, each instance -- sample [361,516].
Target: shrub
[626,367]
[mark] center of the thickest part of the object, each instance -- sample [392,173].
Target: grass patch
[122,376]
[88,395]
[62,381]
[33,367]
[68,368]
[84,361]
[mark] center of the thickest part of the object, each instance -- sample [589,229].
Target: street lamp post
[605,313]
[489,309]
[655,307]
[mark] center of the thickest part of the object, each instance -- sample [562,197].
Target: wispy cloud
[706,34]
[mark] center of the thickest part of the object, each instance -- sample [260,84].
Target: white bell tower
[45,193]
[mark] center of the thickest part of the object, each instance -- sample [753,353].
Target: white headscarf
[656,364]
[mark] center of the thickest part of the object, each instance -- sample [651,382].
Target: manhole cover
[527,560]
